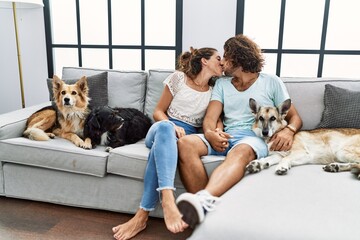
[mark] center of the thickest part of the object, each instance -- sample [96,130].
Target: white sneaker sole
[191,209]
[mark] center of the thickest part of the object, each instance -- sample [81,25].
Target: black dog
[121,125]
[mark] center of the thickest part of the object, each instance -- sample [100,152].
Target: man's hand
[282,140]
[218,139]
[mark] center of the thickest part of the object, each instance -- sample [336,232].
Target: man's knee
[187,143]
[243,153]
[191,146]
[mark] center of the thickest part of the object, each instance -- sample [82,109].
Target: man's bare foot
[172,216]
[132,227]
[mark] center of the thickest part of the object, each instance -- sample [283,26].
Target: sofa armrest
[13,124]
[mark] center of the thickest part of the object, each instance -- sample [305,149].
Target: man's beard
[229,72]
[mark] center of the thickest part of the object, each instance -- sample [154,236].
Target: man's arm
[216,137]
[283,140]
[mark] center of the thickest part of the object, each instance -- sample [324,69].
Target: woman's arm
[162,105]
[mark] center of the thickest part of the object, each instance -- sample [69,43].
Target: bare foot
[172,215]
[132,227]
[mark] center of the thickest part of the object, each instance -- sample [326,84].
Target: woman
[180,111]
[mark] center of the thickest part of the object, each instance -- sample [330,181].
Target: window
[113,34]
[308,38]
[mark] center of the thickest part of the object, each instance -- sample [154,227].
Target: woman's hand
[180,132]
[218,139]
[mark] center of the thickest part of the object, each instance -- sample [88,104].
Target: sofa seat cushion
[58,154]
[130,161]
[307,203]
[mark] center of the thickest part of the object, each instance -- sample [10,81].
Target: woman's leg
[166,157]
[149,199]
[132,227]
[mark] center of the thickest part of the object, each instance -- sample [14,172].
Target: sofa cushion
[154,90]
[98,88]
[342,108]
[58,153]
[125,88]
[300,205]
[130,161]
[307,96]
[1,179]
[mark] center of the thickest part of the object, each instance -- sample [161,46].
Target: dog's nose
[265,133]
[67,101]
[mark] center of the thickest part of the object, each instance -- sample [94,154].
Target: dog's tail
[36,134]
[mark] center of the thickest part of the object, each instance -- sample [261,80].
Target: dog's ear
[253,106]
[83,85]
[57,83]
[284,108]
[94,122]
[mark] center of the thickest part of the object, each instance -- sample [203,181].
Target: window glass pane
[299,65]
[303,24]
[123,13]
[270,63]
[160,19]
[343,30]
[93,20]
[126,59]
[65,57]
[159,59]
[261,22]
[95,58]
[63,28]
[341,66]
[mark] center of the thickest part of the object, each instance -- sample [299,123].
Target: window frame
[321,52]
[50,46]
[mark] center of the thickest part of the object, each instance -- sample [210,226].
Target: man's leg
[231,171]
[192,172]
[194,206]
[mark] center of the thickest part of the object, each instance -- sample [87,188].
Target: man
[243,61]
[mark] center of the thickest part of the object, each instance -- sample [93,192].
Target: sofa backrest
[154,89]
[307,95]
[125,88]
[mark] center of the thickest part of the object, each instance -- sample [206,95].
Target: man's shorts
[240,137]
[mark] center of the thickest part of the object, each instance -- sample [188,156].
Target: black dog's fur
[122,125]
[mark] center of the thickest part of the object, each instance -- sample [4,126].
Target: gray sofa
[307,203]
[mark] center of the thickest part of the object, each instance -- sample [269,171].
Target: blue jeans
[162,160]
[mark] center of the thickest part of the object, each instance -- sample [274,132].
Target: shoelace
[208,202]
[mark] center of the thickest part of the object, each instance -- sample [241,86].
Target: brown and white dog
[65,118]
[338,149]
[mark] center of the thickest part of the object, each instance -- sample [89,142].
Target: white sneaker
[194,206]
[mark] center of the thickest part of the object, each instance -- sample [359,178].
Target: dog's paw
[108,149]
[332,167]
[254,166]
[281,170]
[51,135]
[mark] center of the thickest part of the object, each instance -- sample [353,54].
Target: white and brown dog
[338,149]
[65,118]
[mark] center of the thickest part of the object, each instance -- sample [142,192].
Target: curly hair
[241,51]
[189,62]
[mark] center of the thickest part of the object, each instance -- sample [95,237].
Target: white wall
[33,53]
[206,23]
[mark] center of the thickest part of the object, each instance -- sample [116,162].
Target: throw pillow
[98,89]
[342,108]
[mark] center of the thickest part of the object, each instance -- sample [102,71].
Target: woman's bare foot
[132,227]
[172,215]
